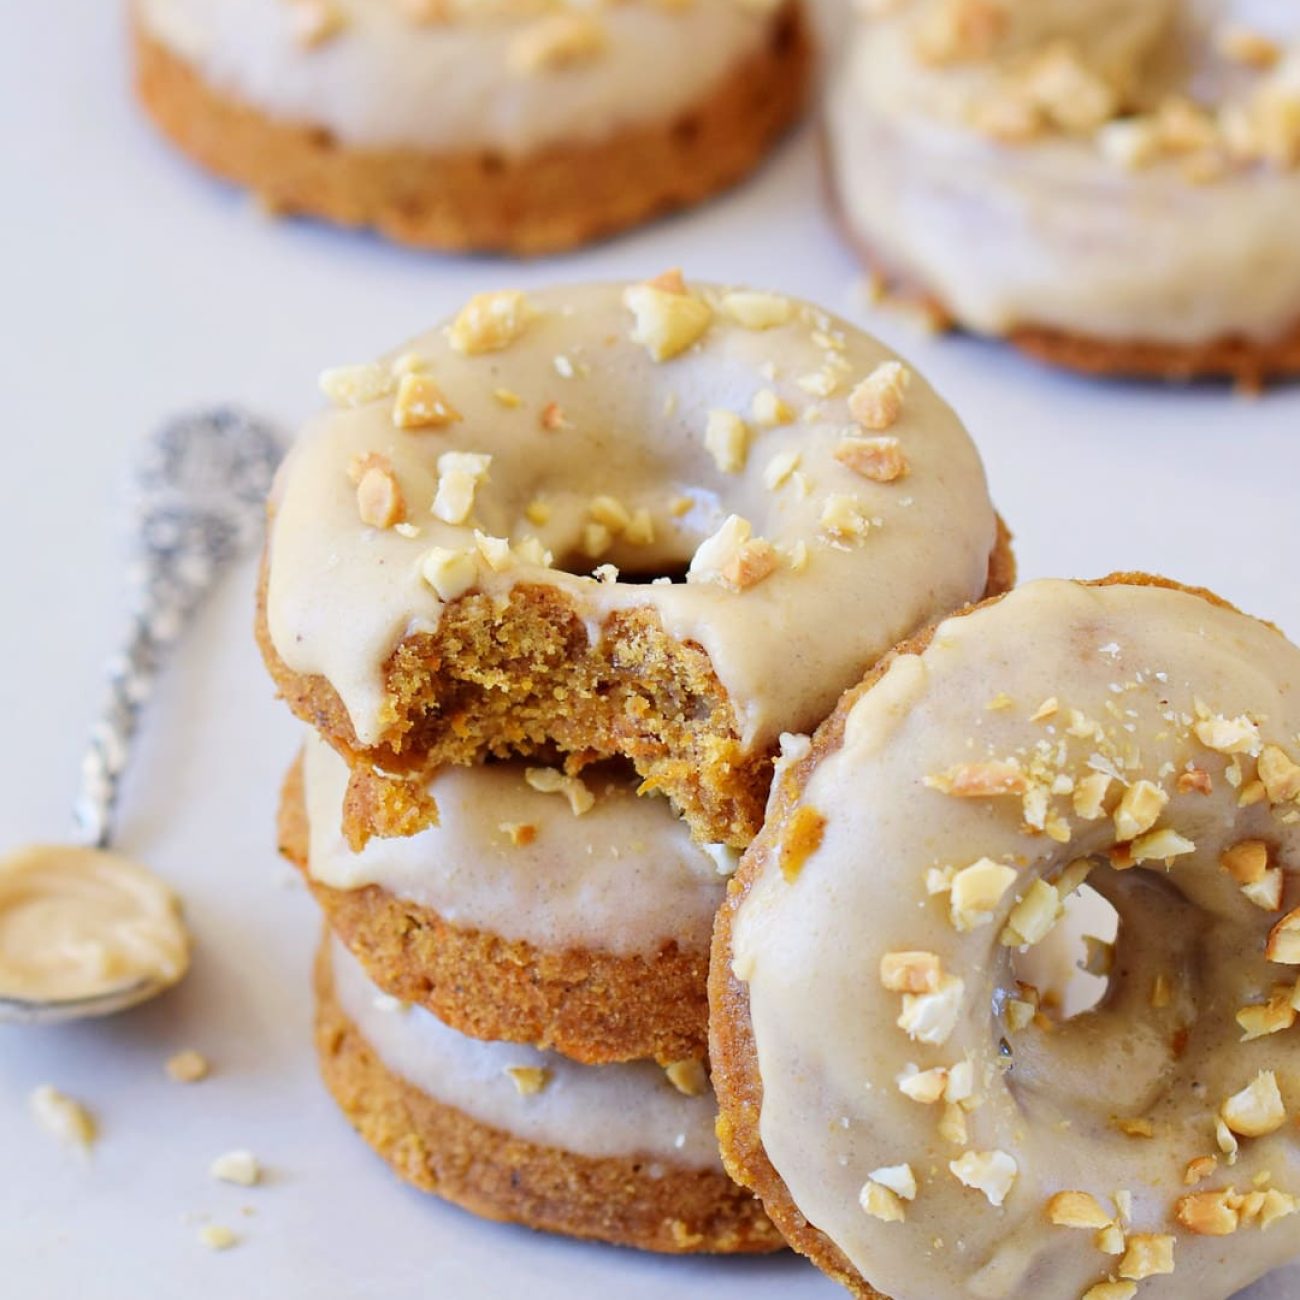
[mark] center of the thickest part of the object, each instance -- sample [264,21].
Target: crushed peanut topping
[552,417]
[490,322]
[1033,917]
[1257,1109]
[1195,780]
[1111,1291]
[877,401]
[976,892]
[1148,1254]
[450,573]
[352,386]
[421,404]
[756,311]
[911,972]
[380,503]
[550,780]
[769,410]
[689,1077]
[1199,1169]
[1209,1214]
[519,834]
[990,1172]
[1077,1210]
[459,476]
[932,1017]
[778,470]
[1163,845]
[726,439]
[1090,795]
[316,21]
[732,557]
[528,1079]
[800,839]
[556,41]
[844,518]
[924,1086]
[669,319]
[1249,48]
[1271,1017]
[980,780]
[881,1203]
[1246,862]
[187,1066]
[1226,735]
[1284,940]
[878,459]
[1139,809]
[1280,774]
[899,1179]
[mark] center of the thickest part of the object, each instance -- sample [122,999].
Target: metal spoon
[200,488]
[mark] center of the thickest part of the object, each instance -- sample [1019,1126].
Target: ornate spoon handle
[200,489]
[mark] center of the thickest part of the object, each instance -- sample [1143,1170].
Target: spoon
[199,488]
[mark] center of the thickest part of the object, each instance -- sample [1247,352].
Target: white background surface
[132,287]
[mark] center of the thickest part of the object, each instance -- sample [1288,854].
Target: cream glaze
[80,923]
[624,877]
[1067,238]
[828,1046]
[341,595]
[600,1111]
[385,81]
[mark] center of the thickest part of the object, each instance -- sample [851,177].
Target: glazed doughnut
[562,912]
[1110,184]
[429,594]
[520,125]
[616,1153]
[912,1118]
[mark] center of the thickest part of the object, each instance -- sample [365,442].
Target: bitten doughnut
[558,911]
[616,1153]
[913,1118]
[650,521]
[516,125]
[1110,184]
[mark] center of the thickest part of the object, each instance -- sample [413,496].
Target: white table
[133,287]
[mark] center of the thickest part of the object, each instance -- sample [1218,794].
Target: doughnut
[521,126]
[613,521]
[913,1114]
[1128,170]
[614,1153]
[575,918]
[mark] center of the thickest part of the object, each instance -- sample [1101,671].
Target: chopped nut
[844,518]
[1110,1240]
[1284,940]
[952,1125]
[490,322]
[1227,735]
[1148,1254]
[537,512]
[779,468]
[689,1077]
[528,1079]
[1208,1214]
[898,1178]
[1195,780]
[980,780]
[1280,775]
[611,512]
[508,398]
[931,1017]
[877,401]
[239,1167]
[459,475]
[1134,1126]
[1246,861]
[519,834]
[769,410]
[380,503]
[1067,91]
[800,839]
[1019,1015]
[756,311]
[668,320]
[1047,709]
[1271,1017]
[353,386]
[1267,893]
[1277,1205]
[1089,795]
[878,459]
[421,404]
[732,558]
[449,573]
[552,417]
[187,1066]
[596,540]
[216,1236]
[1163,845]
[924,1086]
[911,972]
[1160,991]
[1251,49]
[879,1202]
[556,41]
[550,780]
[1139,809]
[976,891]
[726,438]
[1225,1140]
[1111,1291]
[1033,917]
[1076,1210]
[1199,1169]
[990,1172]
[1257,1109]
[59,1114]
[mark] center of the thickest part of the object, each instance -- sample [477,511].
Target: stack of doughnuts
[550,587]
[1109,184]
[526,126]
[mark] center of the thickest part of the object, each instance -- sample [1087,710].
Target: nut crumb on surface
[187,1066]
[240,1167]
[528,1079]
[216,1236]
[63,1116]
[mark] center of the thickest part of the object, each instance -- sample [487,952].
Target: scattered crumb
[189,1066]
[237,1167]
[215,1236]
[59,1114]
